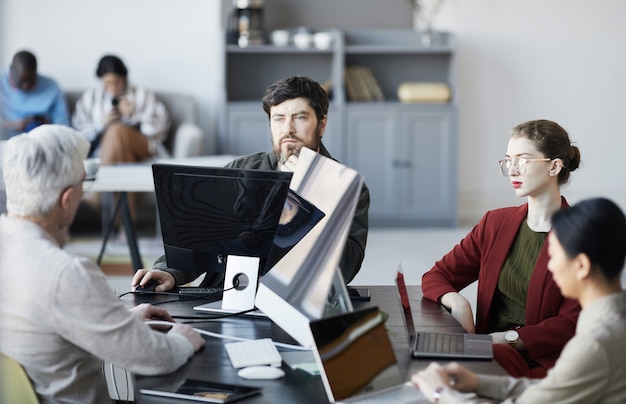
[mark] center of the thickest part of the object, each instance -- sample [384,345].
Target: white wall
[518,60]
[166,45]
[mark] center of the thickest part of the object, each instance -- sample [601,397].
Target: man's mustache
[290,137]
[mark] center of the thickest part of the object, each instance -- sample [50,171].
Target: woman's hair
[297,87]
[553,141]
[595,227]
[38,165]
[111,64]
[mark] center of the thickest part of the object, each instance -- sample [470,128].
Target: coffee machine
[245,26]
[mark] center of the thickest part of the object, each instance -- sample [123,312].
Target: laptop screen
[403,295]
[355,354]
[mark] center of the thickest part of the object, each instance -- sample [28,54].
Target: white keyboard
[253,353]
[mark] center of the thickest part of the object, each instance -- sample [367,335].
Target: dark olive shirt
[512,290]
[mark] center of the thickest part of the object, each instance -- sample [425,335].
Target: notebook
[439,345]
[357,362]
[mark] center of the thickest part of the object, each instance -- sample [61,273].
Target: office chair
[120,383]
[15,384]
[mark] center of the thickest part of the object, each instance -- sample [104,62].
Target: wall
[166,45]
[521,60]
[518,60]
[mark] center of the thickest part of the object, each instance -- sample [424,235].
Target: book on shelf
[350,84]
[371,84]
[361,85]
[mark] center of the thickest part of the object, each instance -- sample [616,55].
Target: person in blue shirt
[28,99]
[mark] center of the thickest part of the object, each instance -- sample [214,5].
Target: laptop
[356,361]
[439,345]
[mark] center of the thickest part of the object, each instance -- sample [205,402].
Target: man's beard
[294,150]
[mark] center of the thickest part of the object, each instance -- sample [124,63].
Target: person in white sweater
[59,318]
[587,248]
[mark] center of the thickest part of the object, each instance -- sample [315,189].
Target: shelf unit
[406,152]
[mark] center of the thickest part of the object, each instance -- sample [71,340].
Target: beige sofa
[184,140]
[185,137]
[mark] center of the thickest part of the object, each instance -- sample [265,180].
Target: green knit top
[509,308]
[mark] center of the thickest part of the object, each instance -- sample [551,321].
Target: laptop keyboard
[440,343]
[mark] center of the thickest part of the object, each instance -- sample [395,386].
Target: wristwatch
[511,337]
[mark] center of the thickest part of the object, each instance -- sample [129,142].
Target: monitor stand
[240,284]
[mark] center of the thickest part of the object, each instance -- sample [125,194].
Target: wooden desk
[212,362]
[124,178]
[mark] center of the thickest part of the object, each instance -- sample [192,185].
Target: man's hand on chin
[290,164]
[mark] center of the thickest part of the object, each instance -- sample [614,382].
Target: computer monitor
[209,213]
[305,282]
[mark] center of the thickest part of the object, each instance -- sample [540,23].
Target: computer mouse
[148,287]
[261,372]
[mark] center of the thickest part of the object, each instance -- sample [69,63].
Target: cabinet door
[430,146]
[407,157]
[248,131]
[333,139]
[372,139]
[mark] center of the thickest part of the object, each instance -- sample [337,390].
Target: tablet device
[207,392]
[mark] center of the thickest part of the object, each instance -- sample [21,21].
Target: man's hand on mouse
[165,279]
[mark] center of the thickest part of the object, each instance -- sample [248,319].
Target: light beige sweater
[60,319]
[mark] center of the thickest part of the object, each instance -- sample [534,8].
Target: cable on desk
[222,336]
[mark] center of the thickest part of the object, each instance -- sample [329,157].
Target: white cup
[92,165]
[302,40]
[323,40]
[280,37]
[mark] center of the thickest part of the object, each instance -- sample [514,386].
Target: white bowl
[280,37]
[302,40]
[92,165]
[323,40]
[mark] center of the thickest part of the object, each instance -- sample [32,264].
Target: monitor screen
[208,213]
[304,282]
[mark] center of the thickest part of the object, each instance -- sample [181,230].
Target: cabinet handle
[401,164]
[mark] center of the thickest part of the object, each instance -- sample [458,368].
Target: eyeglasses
[518,164]
[88,182]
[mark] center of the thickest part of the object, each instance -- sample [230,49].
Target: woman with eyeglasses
[587,249]
[518,302]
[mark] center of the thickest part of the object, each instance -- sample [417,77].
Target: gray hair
[39,165]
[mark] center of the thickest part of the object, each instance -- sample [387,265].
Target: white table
[137,177]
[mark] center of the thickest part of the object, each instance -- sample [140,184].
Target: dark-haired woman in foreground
[587,248]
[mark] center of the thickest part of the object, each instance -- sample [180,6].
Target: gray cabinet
[407,156]
[248,129]
[248,72]
[406,152]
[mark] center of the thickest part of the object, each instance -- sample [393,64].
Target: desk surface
[212,362]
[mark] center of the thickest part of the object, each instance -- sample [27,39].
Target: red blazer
[550,318]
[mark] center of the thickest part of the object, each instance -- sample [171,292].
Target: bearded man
[297,109]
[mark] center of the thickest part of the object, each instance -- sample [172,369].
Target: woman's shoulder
[509,211]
